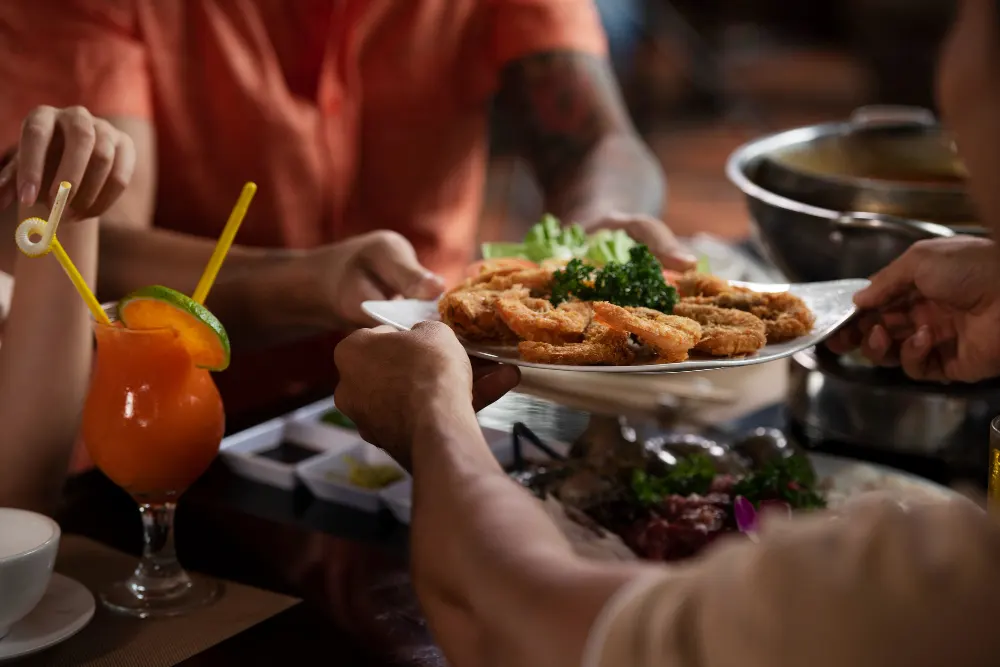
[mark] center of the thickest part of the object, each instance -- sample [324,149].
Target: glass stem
[159,574]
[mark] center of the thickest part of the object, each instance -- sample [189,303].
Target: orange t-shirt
[350,115]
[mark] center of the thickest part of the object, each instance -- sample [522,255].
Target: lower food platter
[830,302]
[839,480]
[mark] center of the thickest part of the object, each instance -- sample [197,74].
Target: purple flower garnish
[746,516]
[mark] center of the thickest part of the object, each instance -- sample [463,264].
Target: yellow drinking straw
[47,241]
[225,242]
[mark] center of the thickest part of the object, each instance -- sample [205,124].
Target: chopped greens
[337,418]
[693,474]
[550,240]
[789,480]
[637,282]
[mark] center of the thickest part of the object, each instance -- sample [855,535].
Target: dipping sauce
[288,453]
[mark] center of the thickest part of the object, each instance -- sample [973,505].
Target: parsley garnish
[637,282]
[789,480]
[693,474]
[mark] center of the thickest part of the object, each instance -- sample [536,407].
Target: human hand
[653,233]
[392,380]
[372,267]
[935,312]
[68,145]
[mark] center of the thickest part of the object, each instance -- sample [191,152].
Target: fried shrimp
[601,346]
[785,315]
[472,314]
[671,337]
[725,332]
[538,321]
[701,284]
[539,281]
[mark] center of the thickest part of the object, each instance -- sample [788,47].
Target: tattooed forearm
[574,130]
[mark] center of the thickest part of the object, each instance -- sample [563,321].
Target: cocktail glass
[152,423]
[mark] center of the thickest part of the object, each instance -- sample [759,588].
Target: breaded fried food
[538,281]
[471,314]
[703,284]
[671,337]
[601,346]
[785,315]
[538,321]
[725,332]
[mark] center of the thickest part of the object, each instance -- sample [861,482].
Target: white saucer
[65,609]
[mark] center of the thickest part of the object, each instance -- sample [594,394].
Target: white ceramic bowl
[28,546]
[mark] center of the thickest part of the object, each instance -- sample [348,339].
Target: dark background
[703,76]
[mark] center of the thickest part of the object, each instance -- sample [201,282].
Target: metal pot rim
[759,147]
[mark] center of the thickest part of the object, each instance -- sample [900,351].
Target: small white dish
[312,412]
[243,453]
[65,609]
[831,302]
[29,543]
[327,476]
[399,499]
[306,425]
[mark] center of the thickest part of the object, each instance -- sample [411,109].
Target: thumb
[393,261]
[889,284]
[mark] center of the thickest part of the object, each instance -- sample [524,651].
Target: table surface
[349,567]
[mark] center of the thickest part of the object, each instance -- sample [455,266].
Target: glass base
[179,596]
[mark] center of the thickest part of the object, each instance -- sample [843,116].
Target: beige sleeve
[877,586]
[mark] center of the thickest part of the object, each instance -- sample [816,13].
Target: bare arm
[577,135]
[44,369]
[498,581]
[494,574]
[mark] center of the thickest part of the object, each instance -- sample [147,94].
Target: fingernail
[29,192]
[433,284]
[922,338]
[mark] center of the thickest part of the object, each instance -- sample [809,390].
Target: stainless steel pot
[842,200]
[842,400]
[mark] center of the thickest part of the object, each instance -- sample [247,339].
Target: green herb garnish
[692,474]
[337,418]
[637,282]
[790,480]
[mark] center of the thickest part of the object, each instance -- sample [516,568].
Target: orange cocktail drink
[153,421]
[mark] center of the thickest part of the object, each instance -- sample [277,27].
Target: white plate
[831,302]
[64,610]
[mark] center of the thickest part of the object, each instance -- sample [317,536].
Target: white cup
[28,546]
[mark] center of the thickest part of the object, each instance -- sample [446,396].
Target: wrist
[276,290]
[446,429]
